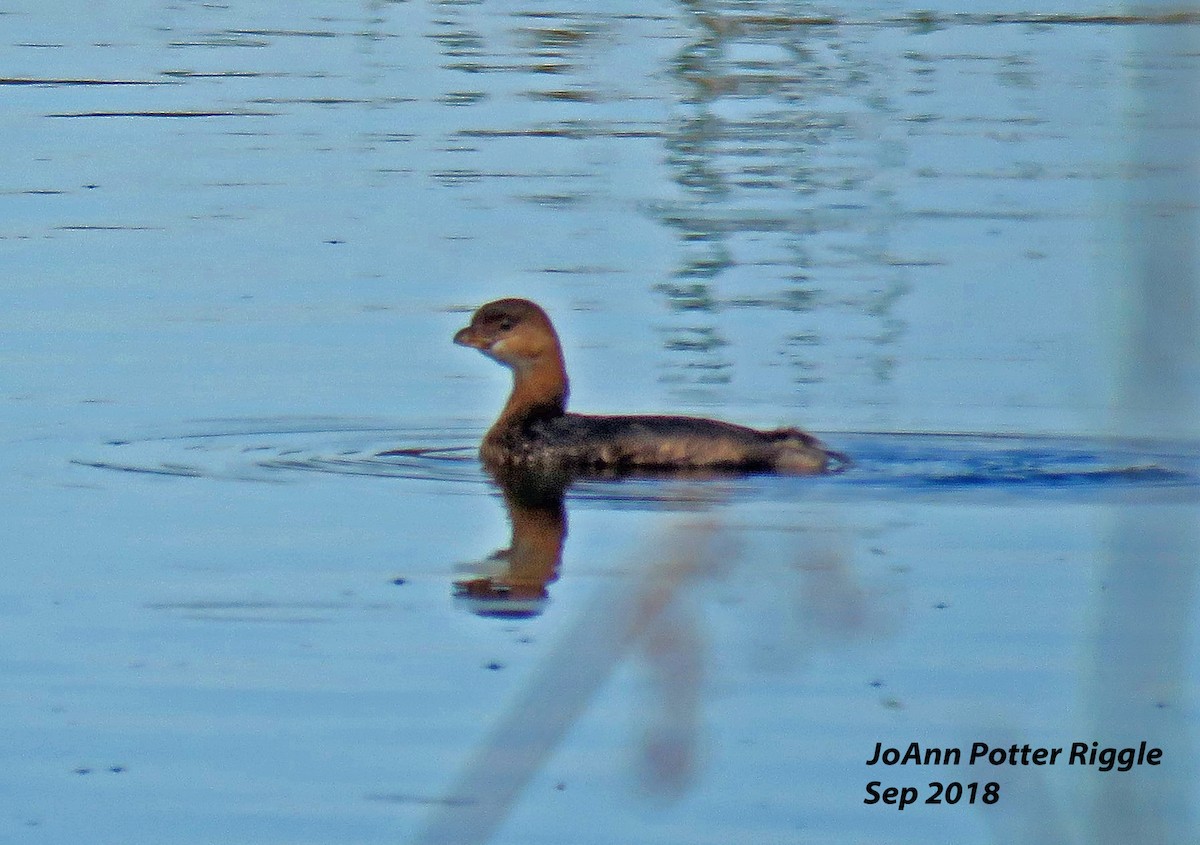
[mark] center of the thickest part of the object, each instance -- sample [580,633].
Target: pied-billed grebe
[535,431]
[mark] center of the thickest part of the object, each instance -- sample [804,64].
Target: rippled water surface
[236,241]
[883,464]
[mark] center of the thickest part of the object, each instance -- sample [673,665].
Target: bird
[536,432]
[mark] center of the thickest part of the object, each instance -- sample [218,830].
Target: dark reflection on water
[780,153]
[513,582]
[1023,465]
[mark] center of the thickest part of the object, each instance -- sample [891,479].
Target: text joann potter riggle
[1104,759]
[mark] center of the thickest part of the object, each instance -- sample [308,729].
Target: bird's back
[656,443]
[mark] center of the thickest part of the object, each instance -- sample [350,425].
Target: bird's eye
[505,324]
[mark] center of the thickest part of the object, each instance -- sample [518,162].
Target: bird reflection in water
[513,582]
[656,616]
[649,618]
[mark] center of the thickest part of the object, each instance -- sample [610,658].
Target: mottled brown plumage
[534,429]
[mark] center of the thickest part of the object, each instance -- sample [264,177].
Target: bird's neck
[539,391]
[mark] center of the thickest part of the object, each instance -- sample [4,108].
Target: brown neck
[539,391]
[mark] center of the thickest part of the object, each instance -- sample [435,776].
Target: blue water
[236,243]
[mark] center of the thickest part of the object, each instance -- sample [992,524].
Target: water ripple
[886,464]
